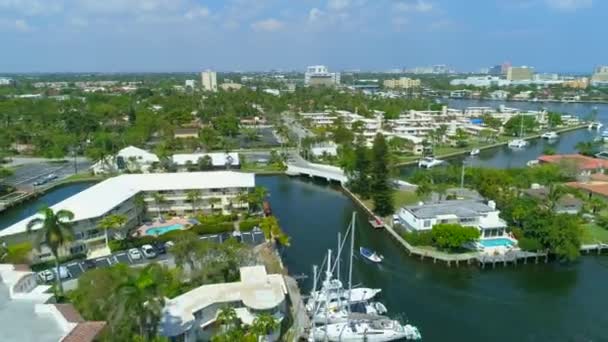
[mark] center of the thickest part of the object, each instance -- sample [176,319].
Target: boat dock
[301,322]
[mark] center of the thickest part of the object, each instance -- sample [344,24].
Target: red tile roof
[70,313]
[85,332]
[600,188]
[582,162]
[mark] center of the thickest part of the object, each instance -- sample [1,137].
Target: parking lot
[77,268]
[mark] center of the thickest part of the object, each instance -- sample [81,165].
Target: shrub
[452,236]
[249,224]
[18,253]
[203,229]
[424,238]
[529,244]
[118,245]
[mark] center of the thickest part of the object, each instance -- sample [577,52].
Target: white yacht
[429,162]
[336,293]
[595,125]
[550,135]
[341,313]
[475,152]
[379,330]
[518,143]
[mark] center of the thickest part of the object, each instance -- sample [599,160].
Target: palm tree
[184,248]
[140,205]
[264,325]
[256,198]
[159,199]
[213,201]
[140,294]
[273,232]
[555,194]
[596,204]
[114,221]
[193,196]
[242,198]
[227,318]
[54,230]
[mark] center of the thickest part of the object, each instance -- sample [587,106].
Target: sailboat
[364,327]
[519,143]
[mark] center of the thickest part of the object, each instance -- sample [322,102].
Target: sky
[257,35]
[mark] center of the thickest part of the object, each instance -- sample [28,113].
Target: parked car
[134,254]
[148,251]
[89,264]
[40,182]
[46,276]
[160,248]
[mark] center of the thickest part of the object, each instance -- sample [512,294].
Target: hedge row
[249,224]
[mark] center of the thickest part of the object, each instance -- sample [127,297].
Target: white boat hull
[364,331]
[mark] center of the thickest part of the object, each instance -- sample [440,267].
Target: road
[27,173]
[295,127]
[78,267]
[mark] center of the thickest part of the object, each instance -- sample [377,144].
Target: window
[427,223]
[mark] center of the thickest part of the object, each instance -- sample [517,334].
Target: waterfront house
[192,316]
[474,213]
[595,185]
[117,196]
[582,165]
[29,313]
[566,204]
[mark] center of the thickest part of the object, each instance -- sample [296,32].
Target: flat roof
[256,289]
[104,196]
[459,208]
[217,158]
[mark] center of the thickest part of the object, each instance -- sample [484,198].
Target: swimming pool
[164,229]
[497,242]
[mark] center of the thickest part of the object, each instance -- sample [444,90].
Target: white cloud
[21,25]
[569,5]
[268,25]
[421,6]
[338,5]
[315,14]
[197,12]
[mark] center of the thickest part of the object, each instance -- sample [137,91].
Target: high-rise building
[209,80]
[600,76]
[319,75]
[505,67]
[523,73]
[495,70]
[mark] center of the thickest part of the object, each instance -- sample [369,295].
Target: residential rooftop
[581,162]
[106,195]
[458,208]
[256,290]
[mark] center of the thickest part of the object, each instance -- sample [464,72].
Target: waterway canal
[551,302]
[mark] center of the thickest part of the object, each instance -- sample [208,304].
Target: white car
[134,254]
[46,276]
[148,251]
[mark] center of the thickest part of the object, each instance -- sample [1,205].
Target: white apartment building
[191,316]
[319,119]
[480,81]
[472,213]
[402,83]
[600,76]
[4,81]
[320,75]
[190,83]
[209,80]
[116,196]
[499,95]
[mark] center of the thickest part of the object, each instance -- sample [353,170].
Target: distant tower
[505,67]
[209,80]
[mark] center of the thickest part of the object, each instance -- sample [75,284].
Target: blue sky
[190,35]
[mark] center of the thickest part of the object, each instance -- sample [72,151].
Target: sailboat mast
[350,266]
[339,255]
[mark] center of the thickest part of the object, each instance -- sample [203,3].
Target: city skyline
[191,35]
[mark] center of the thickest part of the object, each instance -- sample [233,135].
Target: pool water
[498,242]
[164,229]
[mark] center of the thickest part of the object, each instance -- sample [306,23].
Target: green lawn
[593,234]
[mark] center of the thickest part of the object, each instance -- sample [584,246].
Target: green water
[551,302]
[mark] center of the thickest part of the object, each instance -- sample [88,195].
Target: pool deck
[142,230]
